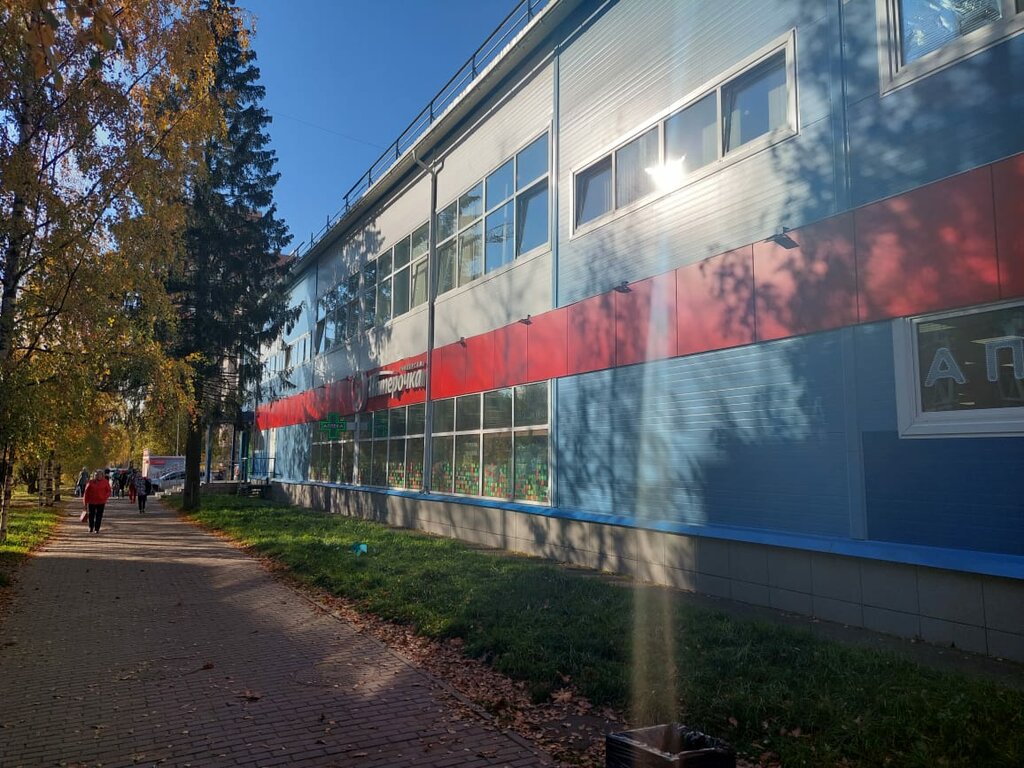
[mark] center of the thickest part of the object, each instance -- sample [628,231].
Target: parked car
[171,479]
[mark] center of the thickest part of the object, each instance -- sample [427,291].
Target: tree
[102,117]
[230,291]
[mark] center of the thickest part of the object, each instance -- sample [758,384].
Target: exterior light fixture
[784,240]
[526,320]
[622,287]
[462,340]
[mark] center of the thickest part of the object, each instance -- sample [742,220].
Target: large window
[385,288]
[961,373]
[745,110]
[493,444]
[338,315]
[921,36]
[498,219]
[398,277]
[383,449]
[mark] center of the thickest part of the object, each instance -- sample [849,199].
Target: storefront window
[497,468]
[467,464]
[442,468]
[414,463]
[961,372]
[531,466]
[492,444]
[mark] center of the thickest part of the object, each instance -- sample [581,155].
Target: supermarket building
[726,296]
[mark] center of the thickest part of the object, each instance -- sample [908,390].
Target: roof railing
[460,82]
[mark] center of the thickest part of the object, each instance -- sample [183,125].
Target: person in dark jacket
[83,480]
[94,498]
[142,489]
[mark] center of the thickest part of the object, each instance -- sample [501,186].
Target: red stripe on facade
[590,334]
[509,355]
[1008,194]
[929,249]
[953,243]
[715,303]
[548,356]
[812,287]
[645,320]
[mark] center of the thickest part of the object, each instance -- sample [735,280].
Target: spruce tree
[230,291]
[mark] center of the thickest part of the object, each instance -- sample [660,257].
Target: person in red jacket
[97,491]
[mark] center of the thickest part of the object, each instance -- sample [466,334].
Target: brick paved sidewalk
[154,643]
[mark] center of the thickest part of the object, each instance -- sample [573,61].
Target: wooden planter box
[667,746]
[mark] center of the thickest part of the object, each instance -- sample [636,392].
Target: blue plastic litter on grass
[359,549]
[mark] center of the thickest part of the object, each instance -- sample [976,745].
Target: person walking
[83,479]
[142,488]
[132,474]
[94,499]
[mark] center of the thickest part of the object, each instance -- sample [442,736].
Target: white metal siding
[493,302]
[631,65]
[495,135]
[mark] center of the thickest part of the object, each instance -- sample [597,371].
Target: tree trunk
[48,480]
[19,227]
[193,455]
[6,475]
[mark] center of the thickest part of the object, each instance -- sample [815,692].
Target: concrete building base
[977,613]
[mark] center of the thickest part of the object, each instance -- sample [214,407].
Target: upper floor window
[745,110]
[498,219]
[917,37]
[399,276]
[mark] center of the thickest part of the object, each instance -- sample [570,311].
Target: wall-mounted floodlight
[622,287]
[526,320]
[462,340]
[784,240]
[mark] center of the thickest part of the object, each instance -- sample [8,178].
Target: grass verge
[28,526]
[779,695]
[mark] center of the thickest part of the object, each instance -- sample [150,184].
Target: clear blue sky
[344,78]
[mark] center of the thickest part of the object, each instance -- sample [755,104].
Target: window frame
[515,430]
[393,273]
[488,207]
[785,44]
[894,74]
[913,421]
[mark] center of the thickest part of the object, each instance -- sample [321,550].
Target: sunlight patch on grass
[28,526]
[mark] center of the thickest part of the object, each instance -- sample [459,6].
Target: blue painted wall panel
[875,379]
[292,462]
[958,493]
[749,437]
[948,122]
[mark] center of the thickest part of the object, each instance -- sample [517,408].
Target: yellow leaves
[93,22]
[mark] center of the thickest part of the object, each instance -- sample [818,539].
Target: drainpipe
[428,416]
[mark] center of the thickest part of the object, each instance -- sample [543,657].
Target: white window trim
[915,423]
[894,74]
[544,247]
[786,43]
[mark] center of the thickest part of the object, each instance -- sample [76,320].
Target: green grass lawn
[28,526]
[765,688]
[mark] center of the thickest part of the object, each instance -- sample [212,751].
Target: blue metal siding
[291,461]
[957,493]
[961,493]
[951,121]
[875,378]
[749,437]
